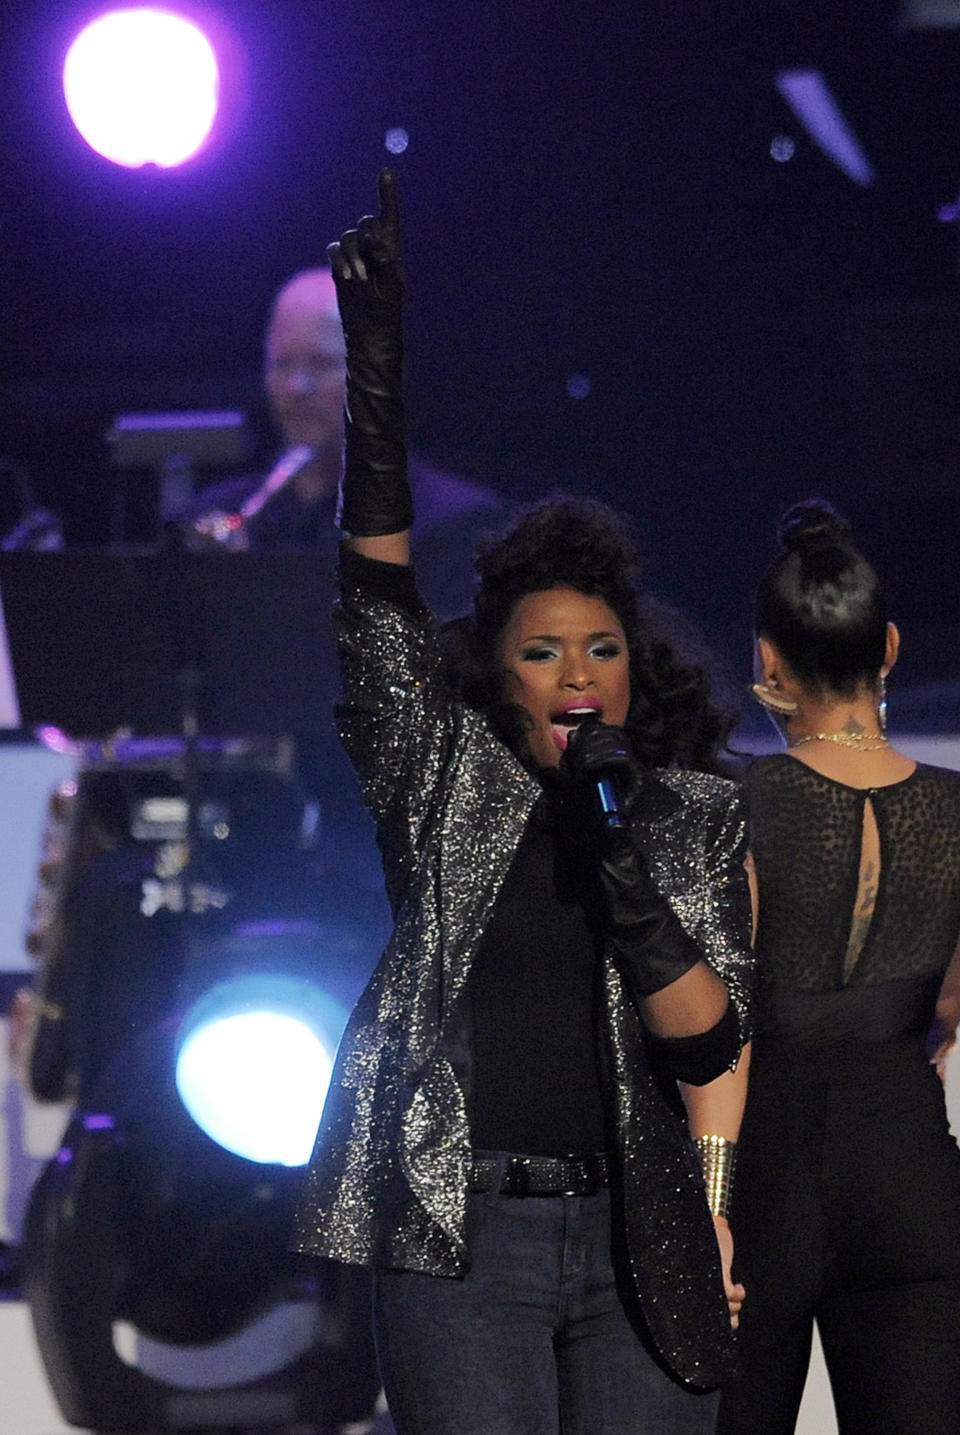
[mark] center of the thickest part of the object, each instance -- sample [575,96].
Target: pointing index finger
[389,205]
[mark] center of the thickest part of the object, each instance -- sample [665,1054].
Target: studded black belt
[514,1175]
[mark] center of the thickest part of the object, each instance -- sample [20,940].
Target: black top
[538,1077]
[807,833]
[536,1084]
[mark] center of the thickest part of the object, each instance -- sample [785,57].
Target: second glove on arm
[645,934]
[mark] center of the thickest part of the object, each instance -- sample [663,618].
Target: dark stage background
[588,191]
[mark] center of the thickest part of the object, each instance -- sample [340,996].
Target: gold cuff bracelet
[718,1157]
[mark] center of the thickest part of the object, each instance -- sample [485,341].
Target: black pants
[893,1357]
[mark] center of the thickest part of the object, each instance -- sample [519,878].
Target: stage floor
[27,1408]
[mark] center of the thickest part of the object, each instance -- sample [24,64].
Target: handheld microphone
[612,814]
[600,766]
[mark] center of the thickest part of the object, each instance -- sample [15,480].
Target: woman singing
[847,1207]
[503,1140]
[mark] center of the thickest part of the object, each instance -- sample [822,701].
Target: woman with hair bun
[846,1210]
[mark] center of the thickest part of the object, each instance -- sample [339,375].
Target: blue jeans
[534,1340]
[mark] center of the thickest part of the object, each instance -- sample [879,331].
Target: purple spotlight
[142,87]
[809,96]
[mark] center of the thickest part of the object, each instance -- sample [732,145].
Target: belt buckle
[585,1176]
[579,1176]
[517,1182]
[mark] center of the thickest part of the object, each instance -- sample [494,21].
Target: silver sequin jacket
[387,1183]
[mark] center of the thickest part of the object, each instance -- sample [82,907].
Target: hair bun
[813,525]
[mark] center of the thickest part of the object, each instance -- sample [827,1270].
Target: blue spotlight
[254,1057]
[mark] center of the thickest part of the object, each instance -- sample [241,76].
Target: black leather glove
[599,758]
[375,496]
[645,934]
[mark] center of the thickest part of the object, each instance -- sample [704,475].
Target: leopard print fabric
[807,833]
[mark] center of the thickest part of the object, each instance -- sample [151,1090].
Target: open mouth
[563,723]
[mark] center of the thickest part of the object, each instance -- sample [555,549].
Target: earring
[882,705]
[773,701]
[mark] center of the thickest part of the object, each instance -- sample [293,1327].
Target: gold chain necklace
[860,742]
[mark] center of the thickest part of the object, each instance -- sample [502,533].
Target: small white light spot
[578,386]
[782,148]
[396,140]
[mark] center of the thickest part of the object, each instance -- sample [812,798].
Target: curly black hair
[566,542]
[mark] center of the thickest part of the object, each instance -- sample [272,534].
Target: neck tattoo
[852,735]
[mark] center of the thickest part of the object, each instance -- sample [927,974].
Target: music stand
[174,445]
[231,644]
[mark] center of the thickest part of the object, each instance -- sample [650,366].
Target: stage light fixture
[198,1037]
[254,1058]
[162,1290]
[142,87]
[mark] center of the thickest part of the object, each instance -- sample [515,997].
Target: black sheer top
[858,888]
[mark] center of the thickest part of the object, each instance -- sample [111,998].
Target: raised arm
[375,510]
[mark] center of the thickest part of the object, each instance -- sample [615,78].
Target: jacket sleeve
[700,865]
[725,929]
[394,716]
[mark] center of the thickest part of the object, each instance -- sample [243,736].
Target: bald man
[304,376]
